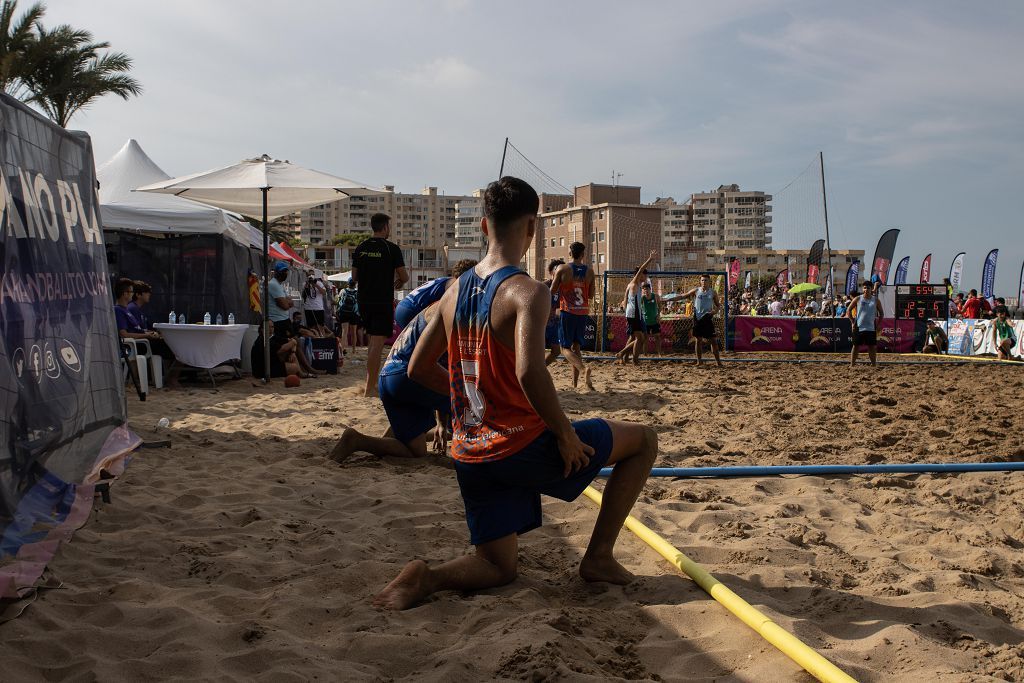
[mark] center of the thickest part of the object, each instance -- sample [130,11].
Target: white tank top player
[864,312]
[703,302]
[866,308]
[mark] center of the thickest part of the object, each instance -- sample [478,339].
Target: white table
[203,346]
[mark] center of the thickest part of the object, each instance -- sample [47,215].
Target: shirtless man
[573,283]
[512,441]
[635,327]
[705,306]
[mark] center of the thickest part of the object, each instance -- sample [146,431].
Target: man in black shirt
[378,269]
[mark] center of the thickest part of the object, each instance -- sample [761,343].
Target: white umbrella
[340,277]
[262,188]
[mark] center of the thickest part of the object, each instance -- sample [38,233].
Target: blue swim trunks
[502,497]
[409,405]
[551,333]
[572,328]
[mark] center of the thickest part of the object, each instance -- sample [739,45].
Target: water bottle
[181,318]
[220,320]
[171,319]
[231,318]
[206,318]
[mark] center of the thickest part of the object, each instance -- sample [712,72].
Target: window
[561,219]
[552,241]
[600,215]
[561,241]
[600,237]
[691,256]
[600,259]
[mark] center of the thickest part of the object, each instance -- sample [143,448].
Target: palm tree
[17,39]
[68,73]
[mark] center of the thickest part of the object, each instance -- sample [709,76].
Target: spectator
[143,292]
[975,305]
[279,301]
[956,306]
[1003,335]
[304,335]
[935,339]
[348,315]
[775,308]
[378,269]
[129,327]
[314,295]
[283,361]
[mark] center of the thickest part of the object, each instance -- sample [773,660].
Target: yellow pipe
[790,645]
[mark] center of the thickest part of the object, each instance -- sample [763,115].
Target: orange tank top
[574,295]
[491,415]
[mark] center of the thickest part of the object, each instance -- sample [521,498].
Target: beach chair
[131,358]
[155,362]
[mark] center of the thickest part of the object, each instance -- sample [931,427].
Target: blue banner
[852,273]
[901,270]
[988,275]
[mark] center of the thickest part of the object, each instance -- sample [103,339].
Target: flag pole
[828,244]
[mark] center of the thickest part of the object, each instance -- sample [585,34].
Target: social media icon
[69,356]
[35,363]
[18,361]
[50,362]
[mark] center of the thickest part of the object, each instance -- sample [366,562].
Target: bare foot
[408,588]
[586,379]
[604,569]
[345,446]
[371,394]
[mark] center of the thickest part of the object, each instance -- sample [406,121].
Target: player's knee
[650,444]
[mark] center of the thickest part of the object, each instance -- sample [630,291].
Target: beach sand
[243,553]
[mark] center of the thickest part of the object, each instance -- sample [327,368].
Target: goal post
[675,314]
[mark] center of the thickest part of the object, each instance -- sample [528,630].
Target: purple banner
[852,273]
[901,270]
[988,274]
[761,333]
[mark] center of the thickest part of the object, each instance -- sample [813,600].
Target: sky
[916,106]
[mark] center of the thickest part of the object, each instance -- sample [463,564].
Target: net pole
[604,311]
[828,245]
[504,151]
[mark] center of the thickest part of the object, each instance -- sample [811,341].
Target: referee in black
[378,269]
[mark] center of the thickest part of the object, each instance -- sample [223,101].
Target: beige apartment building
[617,229]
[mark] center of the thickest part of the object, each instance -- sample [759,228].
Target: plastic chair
[140,360]
[156,363]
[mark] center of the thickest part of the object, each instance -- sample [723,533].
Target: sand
[242,553]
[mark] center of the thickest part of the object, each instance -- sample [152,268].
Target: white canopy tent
[123,209]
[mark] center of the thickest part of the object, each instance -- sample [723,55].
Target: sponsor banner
[988,274]
[959,333]
[746,285]
[926,269]
[901,270]
[734,272]
[761,333]
[61,388]
[974,337]
[780,279]
[852,273]
[757,333]
[884,252]
[956,271]
[814,261]
[828,283]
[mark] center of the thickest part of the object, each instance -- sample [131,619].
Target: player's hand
[575,454]
[440,440]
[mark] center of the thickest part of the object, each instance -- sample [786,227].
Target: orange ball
[292,381]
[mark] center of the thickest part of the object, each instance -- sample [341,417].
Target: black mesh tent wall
[190,274]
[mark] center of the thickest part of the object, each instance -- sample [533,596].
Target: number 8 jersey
[491,415]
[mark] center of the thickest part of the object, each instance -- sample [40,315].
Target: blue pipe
[831,361]
[776,470]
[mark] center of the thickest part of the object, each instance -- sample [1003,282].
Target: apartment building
[730,218]
[468,213]
[618,230]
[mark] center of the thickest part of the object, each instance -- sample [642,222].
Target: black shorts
[634,325]
[350,317]
[314,318]
[282,327]
[865,338]
[704,328]
[378,319]
[654,328]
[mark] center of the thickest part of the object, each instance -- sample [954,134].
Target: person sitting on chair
[129,327]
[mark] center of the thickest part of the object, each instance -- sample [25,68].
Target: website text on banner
[762,333]
[61,392]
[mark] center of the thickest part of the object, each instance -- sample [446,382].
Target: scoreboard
[920,302]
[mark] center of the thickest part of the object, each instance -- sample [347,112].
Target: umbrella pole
[266,290]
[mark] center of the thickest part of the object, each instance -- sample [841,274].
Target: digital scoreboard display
[921,302]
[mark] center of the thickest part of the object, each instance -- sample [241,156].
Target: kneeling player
[413,409]
[512,442]
[431,292]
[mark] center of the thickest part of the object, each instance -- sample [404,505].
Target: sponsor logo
[69,356]
[766,335]
[819,336]
[35,363]
[50,365]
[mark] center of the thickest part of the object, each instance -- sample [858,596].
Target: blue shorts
[571,328]
[503,497]
[551,333]
[409,405]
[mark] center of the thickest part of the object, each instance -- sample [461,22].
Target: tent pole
[266,289]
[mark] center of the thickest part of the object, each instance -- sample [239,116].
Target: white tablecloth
[203,346]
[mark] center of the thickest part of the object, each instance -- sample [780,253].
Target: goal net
[673,324]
